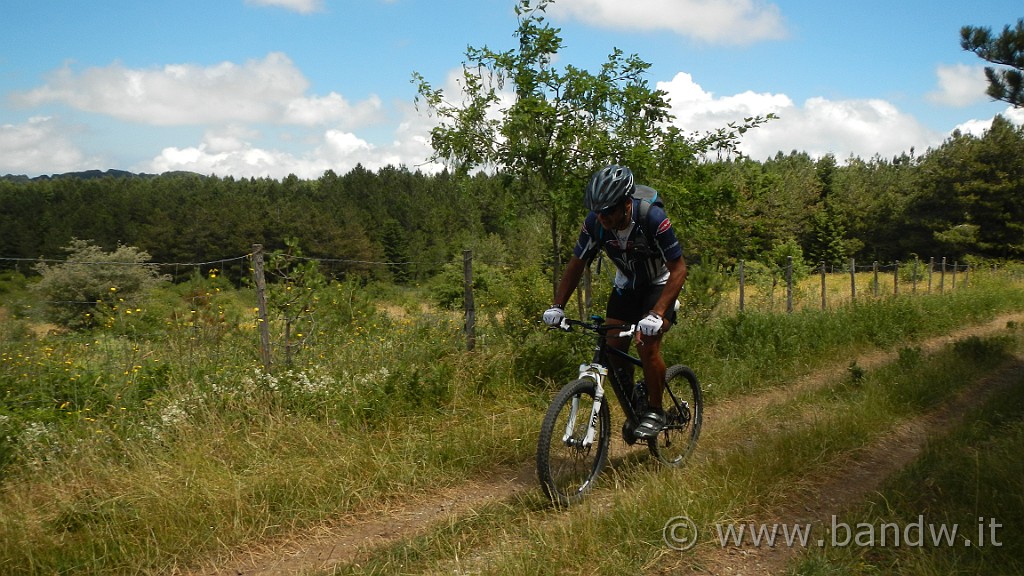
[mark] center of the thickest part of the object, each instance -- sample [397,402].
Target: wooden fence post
[261,305]
[931,267]
[874,268]
[467,283]
[853,280]
[789,283]
[741,286]
[942,277]
[823,305]
[896,279]
[955,266]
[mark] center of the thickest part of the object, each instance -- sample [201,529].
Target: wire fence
[796,286]
[755,286]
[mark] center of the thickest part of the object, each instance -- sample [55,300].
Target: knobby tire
[567,470]
[684,406]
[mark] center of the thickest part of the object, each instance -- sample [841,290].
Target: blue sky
[277,87]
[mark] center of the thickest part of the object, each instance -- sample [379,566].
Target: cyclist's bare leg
[618,364]
[649,350]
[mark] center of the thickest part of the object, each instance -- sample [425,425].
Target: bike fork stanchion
[592,424]
[570,421]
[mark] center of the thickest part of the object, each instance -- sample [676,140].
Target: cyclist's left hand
[651,325]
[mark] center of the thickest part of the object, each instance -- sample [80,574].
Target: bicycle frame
[599,371]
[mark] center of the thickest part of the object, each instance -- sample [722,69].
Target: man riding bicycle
[650,272]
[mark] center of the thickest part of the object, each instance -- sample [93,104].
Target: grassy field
[954,510]
[155,442]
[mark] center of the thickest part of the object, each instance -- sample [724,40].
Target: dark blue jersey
[640,257]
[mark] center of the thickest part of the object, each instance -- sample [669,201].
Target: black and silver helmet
[607,187]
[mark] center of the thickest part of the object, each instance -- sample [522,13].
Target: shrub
[92,284]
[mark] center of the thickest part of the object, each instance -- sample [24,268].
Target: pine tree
[1007,50]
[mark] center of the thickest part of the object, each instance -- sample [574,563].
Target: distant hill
[90,175]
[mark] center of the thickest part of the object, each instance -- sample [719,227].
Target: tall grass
[156,441]
[750,470]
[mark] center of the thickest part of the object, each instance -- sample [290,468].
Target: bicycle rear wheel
[566,467]
[684,408]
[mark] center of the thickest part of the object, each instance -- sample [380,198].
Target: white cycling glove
[651,324]
[553,316]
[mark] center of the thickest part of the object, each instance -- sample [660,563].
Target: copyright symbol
[680,533]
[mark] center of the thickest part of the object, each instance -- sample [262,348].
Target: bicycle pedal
[627,433]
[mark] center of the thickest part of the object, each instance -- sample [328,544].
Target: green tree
[1006,50]
[994,190]
[294,295]
[773,200]
[395,241]
[971,194]
[827,237]
[560,124]
[869,200]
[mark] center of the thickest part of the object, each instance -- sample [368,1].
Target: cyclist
[650,272]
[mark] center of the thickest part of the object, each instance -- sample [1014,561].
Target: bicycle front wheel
[568,463]
[684,410]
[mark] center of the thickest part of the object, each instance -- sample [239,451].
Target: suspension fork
[596,372]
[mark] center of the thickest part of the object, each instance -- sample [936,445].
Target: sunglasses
[610,210]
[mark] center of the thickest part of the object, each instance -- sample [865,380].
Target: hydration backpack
[647,197]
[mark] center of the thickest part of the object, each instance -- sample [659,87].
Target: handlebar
[597,325]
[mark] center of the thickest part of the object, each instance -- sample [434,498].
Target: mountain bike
[576,432]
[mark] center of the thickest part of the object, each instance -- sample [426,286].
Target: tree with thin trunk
[550,127]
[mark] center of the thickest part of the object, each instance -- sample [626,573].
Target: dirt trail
[845,486]
[358,536]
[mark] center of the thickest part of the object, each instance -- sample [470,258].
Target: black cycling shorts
[631,306]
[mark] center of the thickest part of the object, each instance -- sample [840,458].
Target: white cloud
[979,127]
[231,151]
[959,85]
[236,105]
[269,90]
[736,22]
[340,144]
[320,110]
[300,6]
[411,145]
[698,110]
[1016,115]
[242,160]
[42,141]
[820,126]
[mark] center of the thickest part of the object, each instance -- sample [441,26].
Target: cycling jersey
[640,257]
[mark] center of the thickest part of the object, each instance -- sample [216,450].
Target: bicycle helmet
[607,187]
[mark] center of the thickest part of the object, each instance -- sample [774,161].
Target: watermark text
[681,533]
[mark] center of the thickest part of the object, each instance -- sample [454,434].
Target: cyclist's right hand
[553,316]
